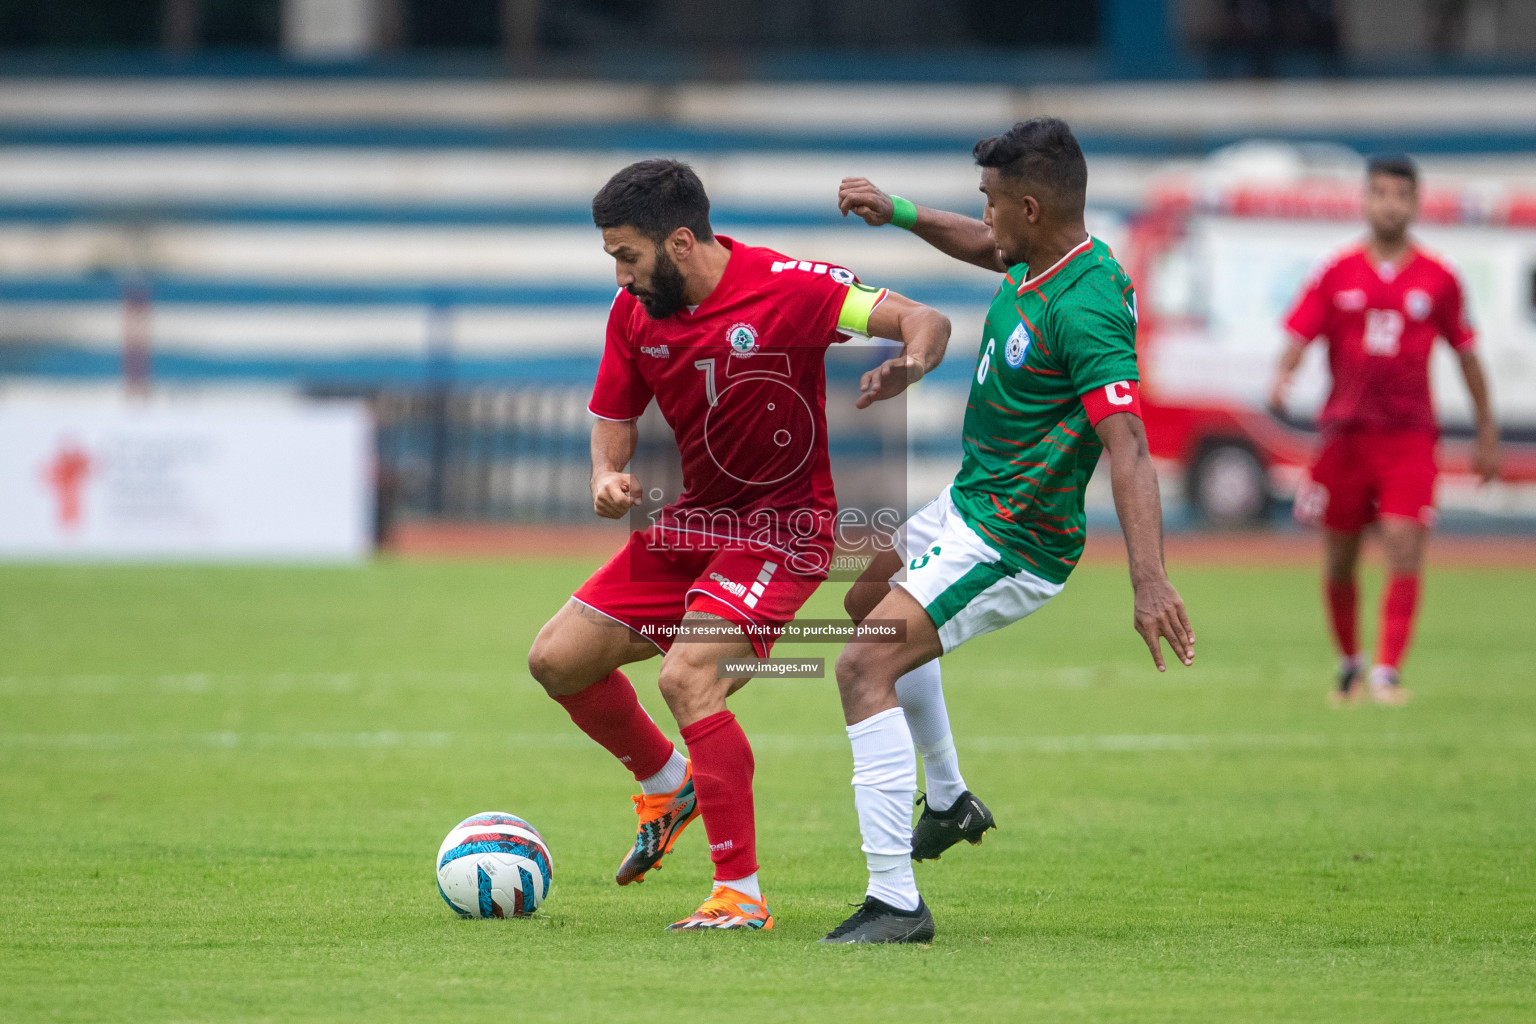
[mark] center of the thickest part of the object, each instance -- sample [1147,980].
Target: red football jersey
[741,381]
[1380,323]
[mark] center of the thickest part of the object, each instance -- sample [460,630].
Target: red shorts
[1360,477]
[649,589]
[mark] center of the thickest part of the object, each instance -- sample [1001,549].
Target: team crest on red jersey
[743,338]
[1418,303]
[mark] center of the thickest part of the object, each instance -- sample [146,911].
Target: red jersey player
[1380,306]
[729,340]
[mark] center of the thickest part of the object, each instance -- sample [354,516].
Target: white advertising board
[211,480]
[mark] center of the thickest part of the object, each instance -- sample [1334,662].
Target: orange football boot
[663,816]
[727,908]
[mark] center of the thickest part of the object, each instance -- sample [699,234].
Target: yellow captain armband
[858,307]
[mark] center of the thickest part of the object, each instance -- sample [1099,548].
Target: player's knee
[540,666]
[675,679]
[547,667]
[863,684]
[1404,544]
[1341,568]
[854,671]
[682,680]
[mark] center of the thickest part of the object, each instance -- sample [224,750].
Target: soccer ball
[494,865]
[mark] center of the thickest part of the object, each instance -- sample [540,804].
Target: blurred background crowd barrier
[381,206]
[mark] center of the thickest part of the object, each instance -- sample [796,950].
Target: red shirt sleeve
[1309,317]
[815,293]
[620,392]
[1453,318]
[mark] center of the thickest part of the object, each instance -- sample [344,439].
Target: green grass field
[221,791]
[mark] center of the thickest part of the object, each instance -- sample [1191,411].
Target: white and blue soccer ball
[494,865]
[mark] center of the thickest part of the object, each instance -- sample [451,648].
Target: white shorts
[960,580]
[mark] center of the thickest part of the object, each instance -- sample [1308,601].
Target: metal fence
[501,454]
[510,453]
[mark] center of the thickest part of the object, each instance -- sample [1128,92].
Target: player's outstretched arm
[1160,611]
[964,238]
[924,334]
[614,492]
[1485,456]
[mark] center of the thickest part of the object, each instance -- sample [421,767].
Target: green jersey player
[1055,384]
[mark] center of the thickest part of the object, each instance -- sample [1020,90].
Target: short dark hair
[655,197]
[1400,165]
[1041,152]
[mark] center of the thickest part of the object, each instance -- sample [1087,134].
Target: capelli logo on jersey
[658,351]
[730,585]
[743,338]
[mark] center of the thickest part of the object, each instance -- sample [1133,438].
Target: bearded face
[662,295]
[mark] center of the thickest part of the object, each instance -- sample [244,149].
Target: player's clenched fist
[1160,616]
[861,198]
[614,494]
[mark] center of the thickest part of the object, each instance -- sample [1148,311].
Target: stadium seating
[345,235]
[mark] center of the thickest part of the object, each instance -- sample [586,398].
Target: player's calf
[865,686]
[722,765]
[691,684]
[575,659]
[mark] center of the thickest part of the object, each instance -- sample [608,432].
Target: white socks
[921,693]
[746,886]
[885,779]
[896,886]
[884,783]
[669,778]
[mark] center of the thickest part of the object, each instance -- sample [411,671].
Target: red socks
[722,778]
[1342,600]
[1399,602]
[610,713]
[1397,607]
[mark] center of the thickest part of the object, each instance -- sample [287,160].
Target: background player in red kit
[1380,306]
[730,341]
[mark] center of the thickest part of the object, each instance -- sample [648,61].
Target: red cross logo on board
[65,475]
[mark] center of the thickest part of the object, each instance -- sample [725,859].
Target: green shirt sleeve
[1094,326]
